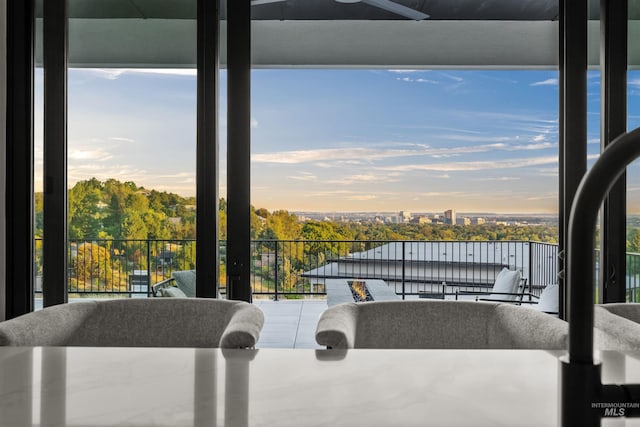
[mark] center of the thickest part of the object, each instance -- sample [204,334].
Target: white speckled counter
[207,387]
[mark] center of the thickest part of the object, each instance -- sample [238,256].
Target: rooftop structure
[413,267]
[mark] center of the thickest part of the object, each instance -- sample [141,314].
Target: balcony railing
[300,268]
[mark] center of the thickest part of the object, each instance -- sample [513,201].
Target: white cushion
[172,292]
[549,299]
[507,281]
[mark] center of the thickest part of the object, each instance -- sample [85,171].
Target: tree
[222,225]
[157,225]
[138,202]
[256,224]
[84,215]
[39,220]
[262,213]
[315,230]
[92,266]
[133,226]
[282,225]
[634,243]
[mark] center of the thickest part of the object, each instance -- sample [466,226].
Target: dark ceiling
[531,10]
[507,10]
[511,10]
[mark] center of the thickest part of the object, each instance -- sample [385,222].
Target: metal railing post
[275,297]
[148,265]
[530,273]
[403,270]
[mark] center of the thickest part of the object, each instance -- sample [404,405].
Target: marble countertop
[79,386]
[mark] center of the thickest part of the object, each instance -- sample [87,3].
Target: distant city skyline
[341,140]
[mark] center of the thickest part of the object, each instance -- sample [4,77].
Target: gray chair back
[439,324]
[617,326]
[153,322]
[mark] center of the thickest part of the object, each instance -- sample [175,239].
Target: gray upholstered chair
[439,324]
[619,326]
[152,322]
[186,281]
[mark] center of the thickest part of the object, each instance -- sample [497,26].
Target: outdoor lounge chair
[167,288]
[186,282]
[149,322]
[181,284]
[547,302]
[509,286]
[439,324]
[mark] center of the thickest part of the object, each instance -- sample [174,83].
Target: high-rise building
[450,216]
[405,216]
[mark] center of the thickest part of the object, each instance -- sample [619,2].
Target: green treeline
[123,210]
[141,229]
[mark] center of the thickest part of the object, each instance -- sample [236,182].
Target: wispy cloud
[304,176]
[547,82]
[438,128]
[418,80]
[441,194]
[93,155]
[191,176]
[364,179]
[452,77]
[114,74]
[538,146]
[472,138]
[331,154]
[363,197]
[345,194]
[102,172]
[475,165]
[328,156]
[501,116]
[545,196]
[121,139]
[500,178]
[547,172]
[341,163]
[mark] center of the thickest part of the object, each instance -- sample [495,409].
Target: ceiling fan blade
[259,2]
[398,9]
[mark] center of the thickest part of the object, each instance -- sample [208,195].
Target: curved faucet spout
[580,247]
[581,384]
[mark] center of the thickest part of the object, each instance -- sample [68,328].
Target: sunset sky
[341,140]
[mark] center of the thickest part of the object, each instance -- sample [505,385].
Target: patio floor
[290,323]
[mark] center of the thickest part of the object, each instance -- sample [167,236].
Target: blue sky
[341,140]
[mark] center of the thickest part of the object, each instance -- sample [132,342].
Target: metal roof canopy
[493,34]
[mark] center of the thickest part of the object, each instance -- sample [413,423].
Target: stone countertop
[77,386]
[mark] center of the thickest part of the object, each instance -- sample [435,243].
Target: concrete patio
[290,323]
